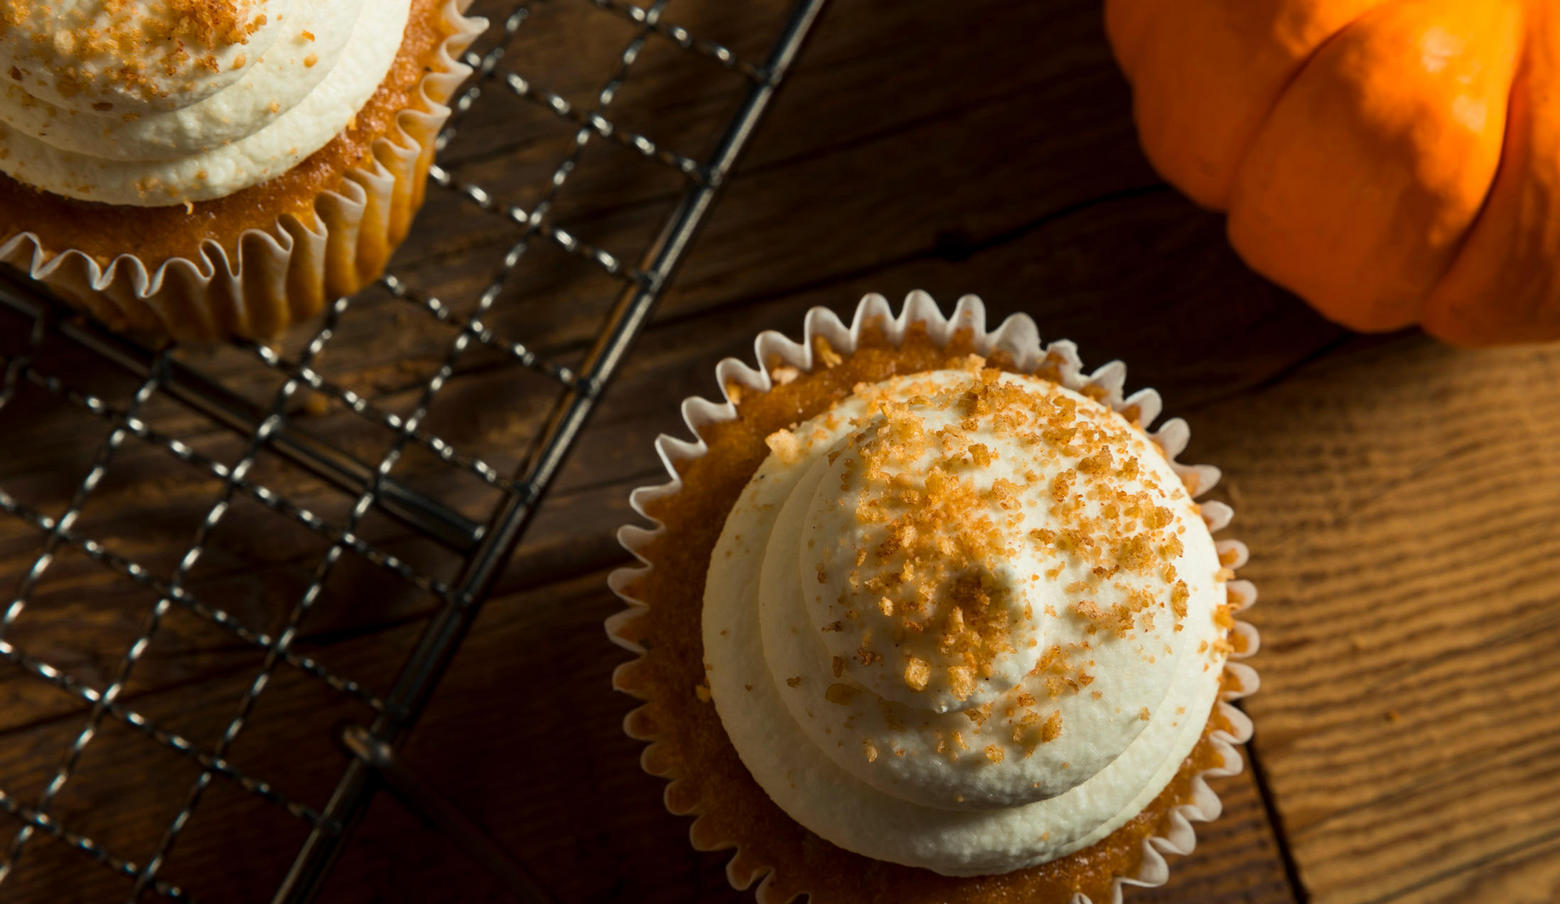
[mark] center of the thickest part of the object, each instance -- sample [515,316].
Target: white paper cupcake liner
[1018,339]
[290,270]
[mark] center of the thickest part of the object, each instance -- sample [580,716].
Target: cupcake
[929,615]
[213,168]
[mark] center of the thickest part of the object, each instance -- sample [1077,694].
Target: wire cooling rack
[98,602]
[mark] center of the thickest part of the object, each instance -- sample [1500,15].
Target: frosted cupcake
[211,168]
[931,617]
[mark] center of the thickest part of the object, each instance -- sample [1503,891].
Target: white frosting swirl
[964,621]
[162,102]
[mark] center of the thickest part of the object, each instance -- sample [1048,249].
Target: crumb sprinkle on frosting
[129,47]
[1000,576]
[943,610]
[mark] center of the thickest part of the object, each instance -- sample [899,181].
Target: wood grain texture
[1399,496]
[1403,497]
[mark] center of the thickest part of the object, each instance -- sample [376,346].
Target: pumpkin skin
[1393,162]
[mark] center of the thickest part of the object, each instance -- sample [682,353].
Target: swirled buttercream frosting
[159,102]
[965,620]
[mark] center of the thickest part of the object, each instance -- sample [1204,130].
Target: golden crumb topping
[129,47]
[992,566]
[933,571]
[931,595]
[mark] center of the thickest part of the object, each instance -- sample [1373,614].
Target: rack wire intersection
[50,355]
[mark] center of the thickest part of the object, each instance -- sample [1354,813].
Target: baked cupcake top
[159,102]
[989,626]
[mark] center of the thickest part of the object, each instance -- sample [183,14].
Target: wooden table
[1400,497]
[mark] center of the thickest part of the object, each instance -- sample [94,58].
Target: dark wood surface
[1399,497]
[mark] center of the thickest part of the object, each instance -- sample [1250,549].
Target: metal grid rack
[481,542]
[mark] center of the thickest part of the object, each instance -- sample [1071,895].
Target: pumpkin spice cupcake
[211,168]
[929,616]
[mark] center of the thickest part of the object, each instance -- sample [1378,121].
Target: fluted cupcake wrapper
[287,272]
[1017,339]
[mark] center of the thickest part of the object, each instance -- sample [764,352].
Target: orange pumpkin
[1391,161]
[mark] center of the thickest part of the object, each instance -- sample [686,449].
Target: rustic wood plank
[1526,874]
[1027,254]
[1401,497]
[896,159]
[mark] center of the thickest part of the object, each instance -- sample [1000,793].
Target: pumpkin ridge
[1504,285]
[1369,172]
[1200,94]
[1394,162]
[1485,203]
[1289,81]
